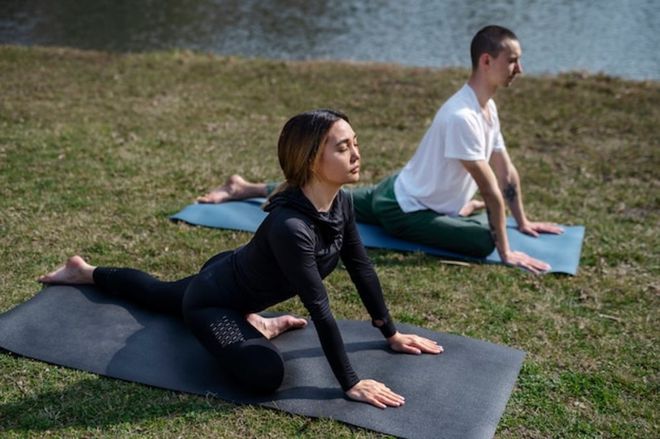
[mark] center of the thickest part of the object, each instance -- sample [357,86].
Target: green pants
[465,235]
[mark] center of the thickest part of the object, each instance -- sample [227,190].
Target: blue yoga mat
[562,252]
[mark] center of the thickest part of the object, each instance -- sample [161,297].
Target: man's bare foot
[75,271]
[471,207]
[274,326]
[235,188]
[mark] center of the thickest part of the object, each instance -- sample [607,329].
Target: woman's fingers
[428,346]
[375,393]
[414,344]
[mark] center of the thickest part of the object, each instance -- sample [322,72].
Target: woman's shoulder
[287,220]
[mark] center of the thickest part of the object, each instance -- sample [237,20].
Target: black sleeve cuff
[385,326]
[349,382]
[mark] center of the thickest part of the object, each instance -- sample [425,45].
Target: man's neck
[482,89]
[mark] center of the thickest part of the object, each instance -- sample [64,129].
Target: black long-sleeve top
[293,250]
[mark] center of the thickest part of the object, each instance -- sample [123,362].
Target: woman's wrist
[385,326]
[392,338]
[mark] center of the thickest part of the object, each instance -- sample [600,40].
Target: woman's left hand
[413,344]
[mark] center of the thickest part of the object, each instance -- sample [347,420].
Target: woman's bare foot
[471,207]
[274,326]
[75,271]
[235,188]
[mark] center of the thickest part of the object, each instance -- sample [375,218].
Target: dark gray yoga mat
[562,252]
[461,393]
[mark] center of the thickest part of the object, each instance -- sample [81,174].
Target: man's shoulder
[459,106]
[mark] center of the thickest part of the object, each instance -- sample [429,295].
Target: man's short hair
[489,40]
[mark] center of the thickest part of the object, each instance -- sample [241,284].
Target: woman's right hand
[375,393]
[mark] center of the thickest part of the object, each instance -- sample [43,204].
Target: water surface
[616,37]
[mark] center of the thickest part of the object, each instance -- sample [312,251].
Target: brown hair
[489,40]
[300,144]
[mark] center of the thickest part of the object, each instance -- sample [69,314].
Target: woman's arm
[292,243]
[362,273]
[366,280]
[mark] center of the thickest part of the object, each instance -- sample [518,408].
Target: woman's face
[339,161]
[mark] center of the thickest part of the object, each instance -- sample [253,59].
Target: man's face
[506,66]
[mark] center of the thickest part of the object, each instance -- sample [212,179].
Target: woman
[309,227]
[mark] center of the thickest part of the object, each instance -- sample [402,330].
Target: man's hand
[533,229]
[522,260]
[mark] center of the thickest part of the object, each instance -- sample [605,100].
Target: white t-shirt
[434,178]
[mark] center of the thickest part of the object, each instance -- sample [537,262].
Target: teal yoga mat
[562,252]
[461,393]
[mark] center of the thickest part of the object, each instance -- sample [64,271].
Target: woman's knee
[256,365]
[248,358]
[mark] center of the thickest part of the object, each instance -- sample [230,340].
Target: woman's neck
[321,195]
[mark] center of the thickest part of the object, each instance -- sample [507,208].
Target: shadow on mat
[160,351]
[350,347]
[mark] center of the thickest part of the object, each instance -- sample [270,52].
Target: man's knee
[477,241]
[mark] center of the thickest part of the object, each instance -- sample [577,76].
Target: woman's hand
[375,393]
[413,344]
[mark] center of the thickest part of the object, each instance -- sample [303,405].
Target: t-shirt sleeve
[363,275]
[293,242]
[463,140]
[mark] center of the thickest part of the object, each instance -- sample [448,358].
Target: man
[431,200]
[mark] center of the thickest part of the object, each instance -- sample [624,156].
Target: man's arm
[487,182]
[509,183]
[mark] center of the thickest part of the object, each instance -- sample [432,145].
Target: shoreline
[584,74]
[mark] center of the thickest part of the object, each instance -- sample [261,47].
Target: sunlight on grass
[96,150]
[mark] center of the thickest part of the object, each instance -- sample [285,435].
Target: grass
[96,150]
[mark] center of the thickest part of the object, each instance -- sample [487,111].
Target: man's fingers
[536,266]
[552,228]
[545,228]
[531,232]
[533,265]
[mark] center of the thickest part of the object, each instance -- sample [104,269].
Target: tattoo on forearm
[493,235]
[510,192]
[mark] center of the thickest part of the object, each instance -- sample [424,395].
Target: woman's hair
[489,40]
[300,144]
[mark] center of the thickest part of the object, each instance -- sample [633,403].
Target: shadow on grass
[98,402]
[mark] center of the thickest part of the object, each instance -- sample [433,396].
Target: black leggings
[244,353]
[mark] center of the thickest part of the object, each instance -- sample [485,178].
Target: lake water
[616,37]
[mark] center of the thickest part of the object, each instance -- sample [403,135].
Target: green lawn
[96,150]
